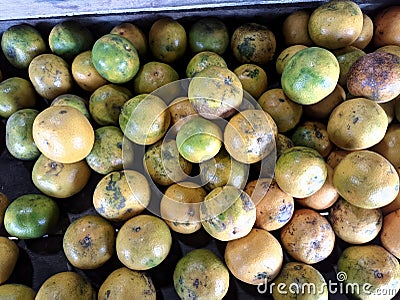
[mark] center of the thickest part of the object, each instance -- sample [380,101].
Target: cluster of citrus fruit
[264,168]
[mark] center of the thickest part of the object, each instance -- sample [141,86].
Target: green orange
[115,58]
[31,216]
[310,75]
[199,139]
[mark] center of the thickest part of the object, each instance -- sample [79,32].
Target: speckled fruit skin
[308,237]
[254,258]
[106,154]
[16,93]
[120,195]
[143,242]
[21,43]
[300,171]
[374,265]
[66,285]
[335,24]
[250,135]
[366,179]
[105,103]
[69,38]
[115,58]
[215,92]
[88,242]
[274,207]
[355,225]
[200,274]
[19,139]
[167,40]
[253,78]
[357,124]
[8,259]
[50,76]
[300,273]
[60,180]
[253,43]
[375,76]
[209,34]
[17,291]
[31,216]
[313,134]
[164,164]
[144,119]
[118,285]
[227,213]
[203,60]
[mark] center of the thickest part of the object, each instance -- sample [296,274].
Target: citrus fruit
[370,264]
[199,139]
[300,171]
[118,285]
[120,195]
[16,93]
[366,179]
[66,285]
[167,40]
[144,119]
[335,24]
[21,43]
[19,139]
[308,237]
[143,242]
[215,92]
[209,34]
[60,180]
[88,242]
[356,124]
[310,75]
[31,216]
[200,274]
[8,258]
[253,43]
[69,38]
[227,213]
[254,264]
[63,134]
[250,135]
[50,76]
[115,58]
